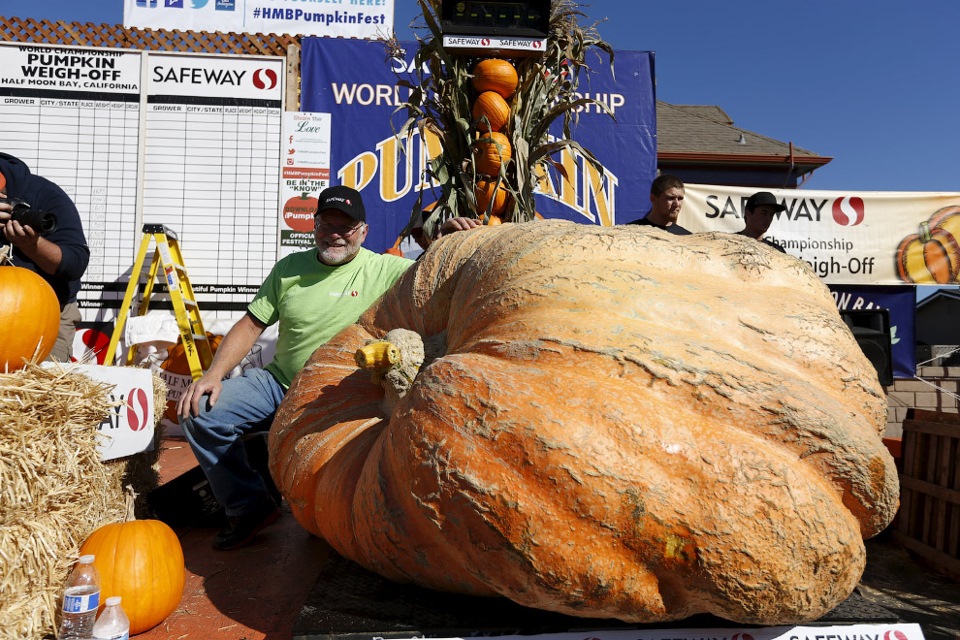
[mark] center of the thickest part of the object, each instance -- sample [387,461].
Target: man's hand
[23,238]
[457,224]
[189,403]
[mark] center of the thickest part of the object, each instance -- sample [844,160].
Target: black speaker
[871,329]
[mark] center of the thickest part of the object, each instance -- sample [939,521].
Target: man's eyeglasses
[343,231]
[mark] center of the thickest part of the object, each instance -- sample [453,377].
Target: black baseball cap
[764,197]
[342,199]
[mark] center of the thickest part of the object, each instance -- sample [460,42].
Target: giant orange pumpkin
[491,151]
[142,562]
[29,317]
[608,422]
[494,74]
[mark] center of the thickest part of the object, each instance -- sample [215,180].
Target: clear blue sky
[871,83]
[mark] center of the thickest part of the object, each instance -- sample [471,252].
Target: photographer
[57,250]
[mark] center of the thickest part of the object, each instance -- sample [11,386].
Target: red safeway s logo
[485,42]
[265,79]
[137,408]
[848,211]
[895,635]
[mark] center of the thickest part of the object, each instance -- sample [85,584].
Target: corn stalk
[440,103]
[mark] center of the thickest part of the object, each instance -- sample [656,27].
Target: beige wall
[935,389]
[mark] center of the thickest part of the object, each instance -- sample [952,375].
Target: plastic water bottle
[80,600]
[113,623]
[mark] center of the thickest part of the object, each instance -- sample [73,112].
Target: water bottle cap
[87,559]
[113,601]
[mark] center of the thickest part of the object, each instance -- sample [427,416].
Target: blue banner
[901,302]
[355,82]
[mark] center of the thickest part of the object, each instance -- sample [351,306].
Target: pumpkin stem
[394,363]
[130,500]
[377,356]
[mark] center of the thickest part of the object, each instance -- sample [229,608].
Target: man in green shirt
[313,295]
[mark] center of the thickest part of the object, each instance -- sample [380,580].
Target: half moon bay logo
[265,79]
[848,211]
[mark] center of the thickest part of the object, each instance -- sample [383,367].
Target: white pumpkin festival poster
[304,173]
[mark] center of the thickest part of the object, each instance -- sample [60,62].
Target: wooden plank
[935,558]
[908,501]
[952,541]
[926,415]
[933,428]
[933,490]
[943,465]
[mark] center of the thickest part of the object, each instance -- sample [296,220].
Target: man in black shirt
[758,213]
[666,200]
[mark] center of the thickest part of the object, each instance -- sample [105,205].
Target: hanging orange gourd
[490,111]
[490,152]
[30,316]
[494,74]
[142,562]
[491,198]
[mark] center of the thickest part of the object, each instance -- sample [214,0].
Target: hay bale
[54,491]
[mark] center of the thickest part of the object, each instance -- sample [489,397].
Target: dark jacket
[43,195]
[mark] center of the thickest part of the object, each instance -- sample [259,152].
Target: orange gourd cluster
[932,256]
[495,82]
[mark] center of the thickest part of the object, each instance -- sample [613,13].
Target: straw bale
[54,490]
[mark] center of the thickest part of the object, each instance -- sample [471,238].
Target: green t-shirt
[313,301]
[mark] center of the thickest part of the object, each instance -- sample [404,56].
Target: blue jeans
[246,405]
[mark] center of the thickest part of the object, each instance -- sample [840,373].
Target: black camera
[41,222]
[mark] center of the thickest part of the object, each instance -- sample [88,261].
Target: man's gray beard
[339,258]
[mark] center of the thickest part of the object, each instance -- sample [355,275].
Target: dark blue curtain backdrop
[901,302]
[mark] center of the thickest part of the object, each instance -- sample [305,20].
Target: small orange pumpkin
[142,562]
[490,111]
[30,316]
[494,74]
[491,197]
[490,152]
[931,256]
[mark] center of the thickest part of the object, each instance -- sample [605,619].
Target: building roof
[705,136]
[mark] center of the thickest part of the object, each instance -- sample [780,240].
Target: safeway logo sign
[265,79]
[848,211]
[138,407]
[127,427]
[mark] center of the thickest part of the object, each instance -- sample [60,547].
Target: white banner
[305,172]
[868,237]
[909,631]
[331,18]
